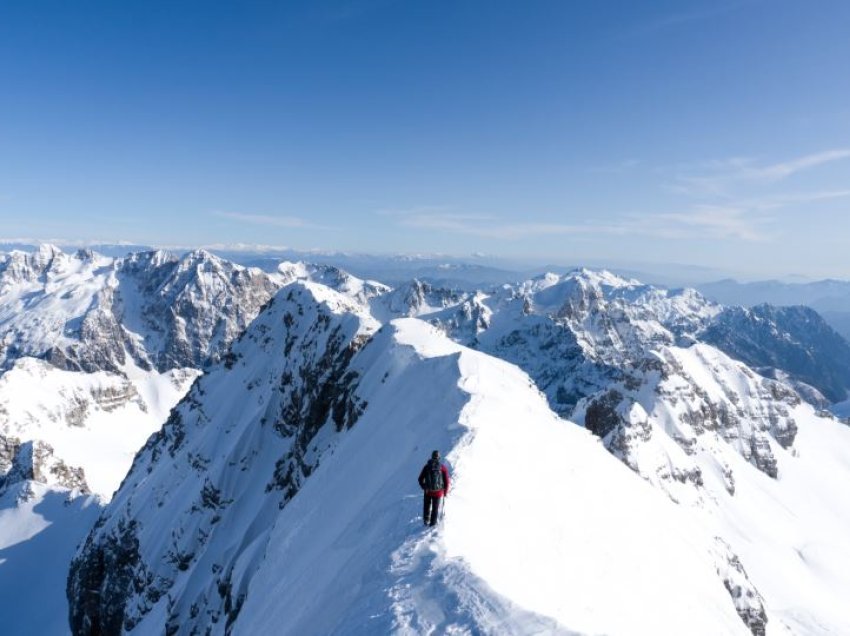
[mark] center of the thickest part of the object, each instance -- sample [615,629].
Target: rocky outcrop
[85,312]
[100,585]
[188,310]
[793,341]
[748,602]
[35,461]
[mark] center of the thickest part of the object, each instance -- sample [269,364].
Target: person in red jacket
[434,481]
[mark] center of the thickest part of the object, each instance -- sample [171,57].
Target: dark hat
[435,455]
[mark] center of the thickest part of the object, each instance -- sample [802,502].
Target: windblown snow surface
[40,528]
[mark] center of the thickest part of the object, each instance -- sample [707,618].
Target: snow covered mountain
[286,473]
[88,312]
[94,353]
[794,342]
[600,322]
[830,298]
[287,476]
[40,529]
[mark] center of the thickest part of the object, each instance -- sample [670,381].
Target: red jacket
[446,481]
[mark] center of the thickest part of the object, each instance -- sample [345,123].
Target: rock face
[34,461]
[85,312]
[295,366]
[748,602]
[795,340]
[687,402]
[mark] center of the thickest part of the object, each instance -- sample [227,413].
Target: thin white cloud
[673,20]
[726,218]
[234,247]
[64,242]
[415,210]
[779,171]
[266,219]
[724,177]
[793,198]
[703,221]
[435,218]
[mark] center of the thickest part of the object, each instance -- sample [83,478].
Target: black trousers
[431,509]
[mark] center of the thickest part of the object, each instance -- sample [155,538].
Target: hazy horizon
[669,274]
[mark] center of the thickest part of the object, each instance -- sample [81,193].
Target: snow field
[38,536]
[74,413]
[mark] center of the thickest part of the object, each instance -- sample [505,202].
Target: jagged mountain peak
[785,341]
[44,254]
[148,259]
[417,298]
[89,313]
[601,278]
[204,260]
[363,291]
[582,277]
[47,261]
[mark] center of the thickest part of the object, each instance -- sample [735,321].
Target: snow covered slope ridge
[611,319]
[88,312]
[289,483]
[609,353]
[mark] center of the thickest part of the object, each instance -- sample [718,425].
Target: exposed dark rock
[748,602]
[601,416]
[99,584]
[794,339]
[35,461]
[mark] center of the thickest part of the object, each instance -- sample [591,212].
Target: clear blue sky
[707,132]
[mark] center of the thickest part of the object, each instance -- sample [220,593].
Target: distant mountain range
[830,298]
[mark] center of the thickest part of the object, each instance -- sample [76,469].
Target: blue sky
[710,133]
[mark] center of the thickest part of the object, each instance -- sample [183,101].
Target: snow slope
[94,421]
[40,528]
[542,552]
[64,434]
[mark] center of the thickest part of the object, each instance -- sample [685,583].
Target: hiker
[434,481]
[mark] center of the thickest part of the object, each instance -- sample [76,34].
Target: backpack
[434,476]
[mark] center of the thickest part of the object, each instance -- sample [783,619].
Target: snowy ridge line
[288,570]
